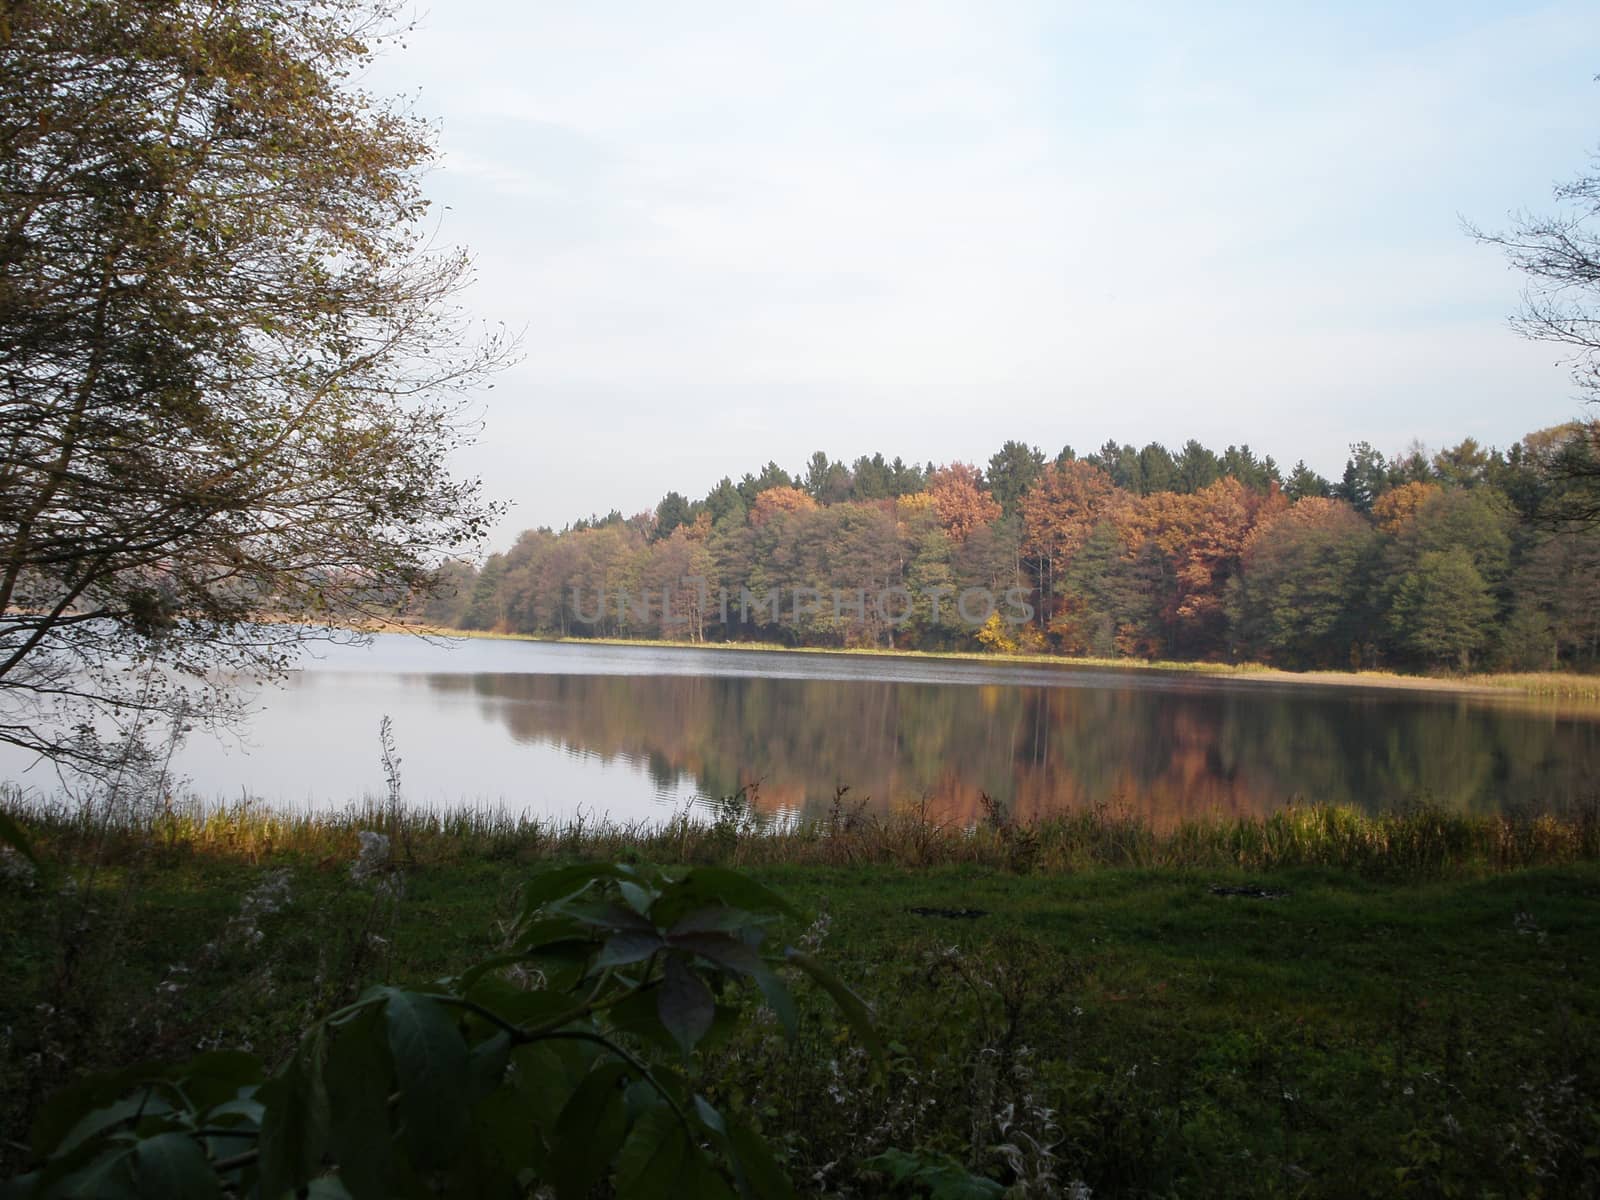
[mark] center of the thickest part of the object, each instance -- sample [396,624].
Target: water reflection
[636,732]
[1163,753]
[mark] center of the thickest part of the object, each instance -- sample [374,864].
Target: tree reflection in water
[1158,753]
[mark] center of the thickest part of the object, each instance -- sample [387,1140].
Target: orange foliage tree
[959,499]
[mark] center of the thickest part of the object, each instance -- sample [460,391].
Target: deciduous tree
[232,374]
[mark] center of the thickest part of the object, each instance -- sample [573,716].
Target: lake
[631,732]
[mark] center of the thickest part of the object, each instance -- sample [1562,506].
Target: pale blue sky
[737,232]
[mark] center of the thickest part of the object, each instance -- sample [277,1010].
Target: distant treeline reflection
[1159,754]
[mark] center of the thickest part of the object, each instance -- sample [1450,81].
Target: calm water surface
[635,732]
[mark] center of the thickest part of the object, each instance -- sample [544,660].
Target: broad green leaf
[505,1124]
[487,968]
[358,1080]
[705,885]
[639,898]
[778,998]
[217,1077]
[430,1068]
[123,1112]
[550,931]
[606,915]
[65,1110]
[486,1065]
[294,1131]
[755,1170]
[727,952]
[108,1177]
[563,882]
[247,1108]
[517,1005]
[630,946]
[684,1004]
[639,1017]
[173,1167]
[712,919]
[652,1160]
[548,1073]
[855,1011]
[588,1133]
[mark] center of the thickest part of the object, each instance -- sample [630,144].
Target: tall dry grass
[1420,841]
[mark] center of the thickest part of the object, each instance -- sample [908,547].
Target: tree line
[1462,559]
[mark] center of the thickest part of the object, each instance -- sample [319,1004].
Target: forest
[1466,559]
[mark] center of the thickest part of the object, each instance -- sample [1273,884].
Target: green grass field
[1197,1028]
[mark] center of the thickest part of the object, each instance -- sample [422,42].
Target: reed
[1419,841]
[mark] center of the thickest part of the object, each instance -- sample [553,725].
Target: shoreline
[1527,685]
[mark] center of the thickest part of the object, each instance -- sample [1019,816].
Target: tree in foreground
[233,375]
[1559,254]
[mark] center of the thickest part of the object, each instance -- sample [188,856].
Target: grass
[1315,1004]
[1421,841]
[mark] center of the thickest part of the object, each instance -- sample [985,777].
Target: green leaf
[487,1063]
[217,1077]
[627,947]
[778,997]
[639,898]
[13,835]
[98,1122]
[705,885]
[588,1133]
[714,919]
[638,1016]
[506,1124]
[653,1158]
[108,1177]
[727,952]
[755,1170]
[606,915]
[684,1004]
[358,1080]
[294,1131]
[172,1166]
[65,1110]
[856,1013]
[517,1005]
[430,1067]
[563,882]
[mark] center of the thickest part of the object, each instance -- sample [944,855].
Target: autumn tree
[779,499]
[233,376]
[960,499]
[1058,516]
[1393,509]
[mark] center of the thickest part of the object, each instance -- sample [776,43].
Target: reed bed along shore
[1422,840]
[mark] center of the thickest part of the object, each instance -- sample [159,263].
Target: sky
[737,232]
